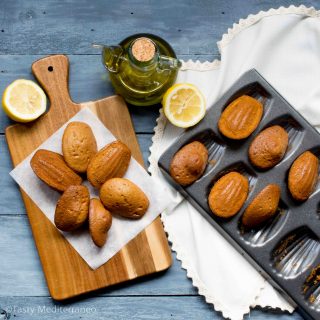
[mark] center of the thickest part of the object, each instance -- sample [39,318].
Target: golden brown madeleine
[100,220]
[110,162]
[121,196]
[262,207]
[50,167]
[268,147]
[228,194]
[189,163]
[72,208]
[303,176]
[240,118]
[78,145]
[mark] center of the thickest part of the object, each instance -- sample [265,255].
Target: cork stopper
[143,49]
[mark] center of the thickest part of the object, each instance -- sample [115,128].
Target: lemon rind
[170,92]
[16,115]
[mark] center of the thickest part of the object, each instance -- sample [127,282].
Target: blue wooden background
[32,29]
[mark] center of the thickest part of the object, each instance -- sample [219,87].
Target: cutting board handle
[52,72]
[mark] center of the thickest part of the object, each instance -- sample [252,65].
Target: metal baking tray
[286,250]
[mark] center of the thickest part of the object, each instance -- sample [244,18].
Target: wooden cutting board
[67,275]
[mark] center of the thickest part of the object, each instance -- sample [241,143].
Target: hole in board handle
[50,68]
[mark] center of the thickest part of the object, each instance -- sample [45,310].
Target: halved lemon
[184,105]
[24,101]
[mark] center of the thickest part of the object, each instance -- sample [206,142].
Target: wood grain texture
[67,275]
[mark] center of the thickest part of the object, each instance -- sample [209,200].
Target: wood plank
[21,274]
[67,275]
[11,201]
[47,27]
[98,308]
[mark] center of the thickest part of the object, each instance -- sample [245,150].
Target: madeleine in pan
[189,163]
[303,176]
[263,207]
[240,118]
[228,194]
[269,147]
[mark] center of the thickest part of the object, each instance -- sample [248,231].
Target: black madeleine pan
[286,250]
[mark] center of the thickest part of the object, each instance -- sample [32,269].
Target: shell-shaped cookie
[72,208]
[110,162]
[123,197]
[100,220]
[189,163]
[268,147]
[78,145]
[262,207]
[303,176]
[240,118]
[51,168]
[228,194]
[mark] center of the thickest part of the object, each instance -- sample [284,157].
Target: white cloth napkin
[122,230]
[283,45]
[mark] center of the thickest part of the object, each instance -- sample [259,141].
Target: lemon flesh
[24,101]
[184,105]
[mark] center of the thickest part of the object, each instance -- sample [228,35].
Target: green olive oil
[141,68]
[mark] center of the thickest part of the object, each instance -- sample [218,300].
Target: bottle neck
[143,54]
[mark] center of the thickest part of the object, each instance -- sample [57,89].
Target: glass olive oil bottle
[142,67]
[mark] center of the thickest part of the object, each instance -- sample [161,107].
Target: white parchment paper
[122,230]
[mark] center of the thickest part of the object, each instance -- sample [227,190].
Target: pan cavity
[316,152]
[311,288]
[259,236]
[254,90]
[295,253]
